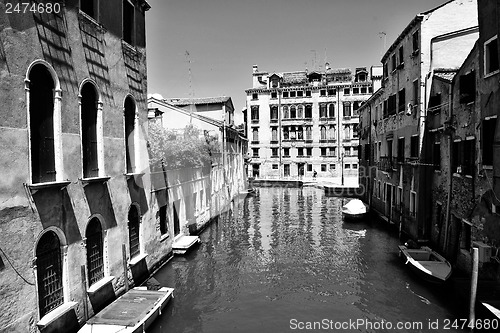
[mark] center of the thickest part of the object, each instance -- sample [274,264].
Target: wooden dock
[133,312]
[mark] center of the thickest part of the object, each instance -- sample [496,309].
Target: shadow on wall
[99,202]
[55,209]
[137,193]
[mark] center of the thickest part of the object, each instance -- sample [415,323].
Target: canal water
[284,261]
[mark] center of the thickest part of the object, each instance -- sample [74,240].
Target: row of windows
[322,92]
[393,195]
[91,8]
[44,105]
[397,58]
[324,151]
[49,262]
[301,168]
[297,132]
[350,109]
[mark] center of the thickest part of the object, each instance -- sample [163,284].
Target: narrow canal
[284,259]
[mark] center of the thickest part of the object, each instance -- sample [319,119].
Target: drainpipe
[279,130]
[450,174]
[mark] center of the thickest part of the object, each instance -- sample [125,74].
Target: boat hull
[109,325]
[348,217]
[426,264]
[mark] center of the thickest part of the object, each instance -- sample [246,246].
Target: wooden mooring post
[473,287]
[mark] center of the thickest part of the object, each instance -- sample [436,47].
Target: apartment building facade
[77,222]
[397,170]
[306,122]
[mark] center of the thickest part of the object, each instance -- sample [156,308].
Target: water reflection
[286,254]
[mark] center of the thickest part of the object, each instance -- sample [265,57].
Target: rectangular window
[322,111]
[274,95]
[275,166]
[322,92]
[292,94]
[347,91]
[128,22]
[254,112]
[393,62]
[401,56]
[391,105]
[89,7]
[309,151]
[285,94]
[468,87]
[309,167]
[491,56]
[401,150]
[415,42]
[255,152]
[286,169]
[413,203]
[255,134]
[465,235]
[331,92]
[308,93]
[286,152]
[435,103]
[401,100]
[488,135]
[469,157]
[255,96]
[354,166]
[300,93]
[347,109]
[363,90]
[332,166]
[274,152]
[389,149]
[355,91]
[300,151]
[456,157]
[332,151]
[415,92]
[323,151]
[274,134]
[347,166]
[414,146]
[323,167]
[436,156]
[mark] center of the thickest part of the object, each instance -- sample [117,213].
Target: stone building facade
[77,222]
[306,121]
[396,167]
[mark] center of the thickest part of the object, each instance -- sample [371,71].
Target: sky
[206,48]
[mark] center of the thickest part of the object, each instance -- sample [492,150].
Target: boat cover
[355,206]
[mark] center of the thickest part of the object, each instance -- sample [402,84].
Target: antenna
[191,88]
[314,60]
[380,34]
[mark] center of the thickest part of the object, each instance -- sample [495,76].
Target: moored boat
[426,263]
[354,210]
[133,312]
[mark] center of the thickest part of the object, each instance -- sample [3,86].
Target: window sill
[134,175]
[487,75]
[39,186]
[55,314]
[100,284]
[86,181]
[164,237]
[135,260]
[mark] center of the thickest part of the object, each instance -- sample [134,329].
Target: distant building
[306,121]
[397,169]
[200,193]
[217,108]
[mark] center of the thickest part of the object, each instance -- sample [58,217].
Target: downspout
[279,130]
[450,174]
[370,181]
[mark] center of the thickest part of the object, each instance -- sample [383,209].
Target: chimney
[255,68]
[327,66]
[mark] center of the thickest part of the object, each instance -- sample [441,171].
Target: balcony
[255,121]
[273,121]
[274,142]
[387,163]
[255,142]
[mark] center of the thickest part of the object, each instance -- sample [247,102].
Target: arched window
[332,132]
[308,133]
[95,251]
[285,112]
[293,112]
[274,112]
[49,273]
[323,133]
[322,110]
[308,111]
[130,154]
[300,133]
[331,111]
[300,111]
[133,231]
[89,116]
[41,115]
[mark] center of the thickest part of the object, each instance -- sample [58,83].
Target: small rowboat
[426,263]
[133,312]
[354,210]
